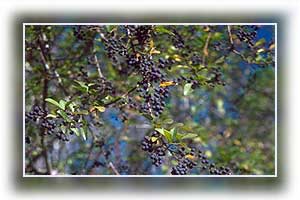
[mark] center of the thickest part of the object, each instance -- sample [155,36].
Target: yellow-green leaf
[189,136]
[100,108]
[53,102]
[51,116]
[187,89]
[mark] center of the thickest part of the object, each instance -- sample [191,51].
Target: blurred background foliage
[234,123]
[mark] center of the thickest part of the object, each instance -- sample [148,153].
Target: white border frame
[115,176]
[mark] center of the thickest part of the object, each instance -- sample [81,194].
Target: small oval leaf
[187,89]
[53,102]
[189,136]
[100,108]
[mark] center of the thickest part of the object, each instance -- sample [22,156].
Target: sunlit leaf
[76,131]
[72,106]
[62,104]
[100,108]
[189,136]
[83,133]
[82,112]
[162,29]
[260,42]
[51,116]
[191,157]
[53,102]
[167,83]
[165,133]
[220,60]
[64,115]
[187,89]
[83,86]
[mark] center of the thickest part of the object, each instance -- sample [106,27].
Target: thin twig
[111,165]
[98,66]
[230,35]
[44,96]
[47,63]
[232,46]
[205,49]
[122,96]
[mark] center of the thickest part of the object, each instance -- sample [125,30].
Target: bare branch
[230,35]
[49,63]
[98,66]
[111,165]
[205,49]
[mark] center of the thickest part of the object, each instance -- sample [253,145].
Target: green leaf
[64,115]
[187,89]
[260,42]
[62,104]
[162,29]
[82,112]
[148,116]
[168,136]
[173,132]
[108,99]
[178,125]
[83,133]
[76,131]
[189,136]
[160,130]
[220,60]
[168,121]
[165,133]
[80,88]
[72,106]
[53,102]
[83,86]
[179,136]
[51,116]
[100,108]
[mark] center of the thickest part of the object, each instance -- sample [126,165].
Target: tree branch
[45,94]
[49,63]
[98,66]
[239,53]
[111,165]
[120,97]
[205,49]
[230,35]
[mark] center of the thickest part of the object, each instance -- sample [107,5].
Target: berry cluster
[103,86]
[165,63]
[156,147]
[83,33]
[115,47]
[50,126]
[247,34]
[35,114]
[196,59]
[185,163]
[154,103]
[141,34]
[187,158]
[38,115]
[149,87]
[62,136]
[177,40]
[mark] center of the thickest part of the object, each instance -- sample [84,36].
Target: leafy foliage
[149,99]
